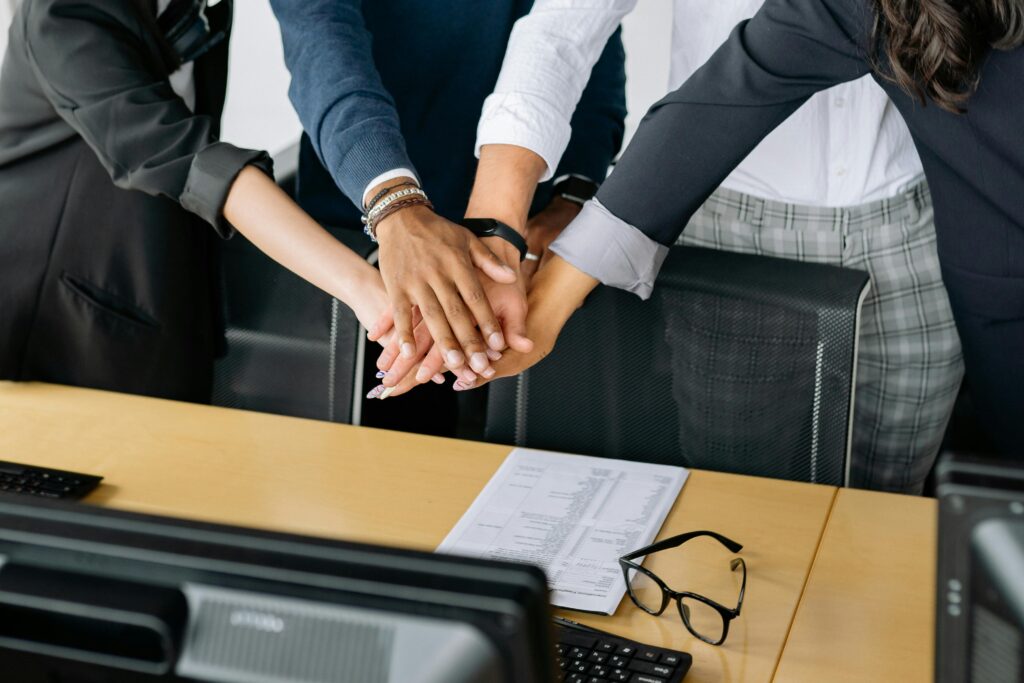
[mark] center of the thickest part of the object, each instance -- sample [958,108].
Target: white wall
[259,115]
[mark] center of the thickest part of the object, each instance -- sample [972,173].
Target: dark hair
[934,49]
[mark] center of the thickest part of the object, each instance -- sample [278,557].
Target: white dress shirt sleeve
[386,176]
[547,65]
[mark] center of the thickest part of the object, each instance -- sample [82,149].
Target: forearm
[506,179]
[261,211]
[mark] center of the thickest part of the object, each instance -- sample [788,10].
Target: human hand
[542,230]
[557,291]
[430,263]
[509,304]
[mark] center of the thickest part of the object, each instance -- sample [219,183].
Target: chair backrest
[738,363]
[291,348]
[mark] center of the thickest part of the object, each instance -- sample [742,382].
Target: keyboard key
[648,668]
[626,650]
[649,655]
[599,671]
[618,661]
[576,678]
[606,646]
[597,679]
[597,657]
[619,675]
[670,659]
[644,678]
[577,639]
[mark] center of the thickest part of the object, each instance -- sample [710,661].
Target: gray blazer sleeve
[92,61]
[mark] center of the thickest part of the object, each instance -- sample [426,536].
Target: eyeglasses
[703,617]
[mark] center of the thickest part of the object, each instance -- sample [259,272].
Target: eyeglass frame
[668,595]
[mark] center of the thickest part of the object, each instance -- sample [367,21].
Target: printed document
[573,515]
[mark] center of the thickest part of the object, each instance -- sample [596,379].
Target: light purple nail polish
[375,392]
[380,374]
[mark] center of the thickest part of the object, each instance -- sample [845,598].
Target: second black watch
[488,227]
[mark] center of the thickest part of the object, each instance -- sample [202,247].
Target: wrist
[398,221]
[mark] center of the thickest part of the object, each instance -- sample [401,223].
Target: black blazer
[112,193]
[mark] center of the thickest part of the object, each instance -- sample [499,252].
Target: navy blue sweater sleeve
[598,123]
[693,138]
[352,124]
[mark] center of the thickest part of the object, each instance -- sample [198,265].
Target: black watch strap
[488,227]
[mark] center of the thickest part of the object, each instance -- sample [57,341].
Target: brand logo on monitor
[258,621]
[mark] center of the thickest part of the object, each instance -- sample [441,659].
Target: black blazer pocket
[109,306]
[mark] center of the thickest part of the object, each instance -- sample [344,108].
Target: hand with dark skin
[556,292]
[506,197]
[432,264]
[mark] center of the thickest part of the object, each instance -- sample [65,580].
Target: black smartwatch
[575,188]
[488,227]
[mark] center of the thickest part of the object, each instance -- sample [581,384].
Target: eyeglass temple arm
[676,541]
[734,565]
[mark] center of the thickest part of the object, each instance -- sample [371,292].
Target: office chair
[291,348]
[738,363]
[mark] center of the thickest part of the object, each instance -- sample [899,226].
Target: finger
[514,323]
[404,326]
[431,366]
[465,329]
[383,324]
[493,355]
[493,267]
[436,321]
[473,294]
[388,356]
[404,365]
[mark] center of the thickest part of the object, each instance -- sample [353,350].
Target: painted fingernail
[408,349]
[496,341]
[380,374]
[467,376]
[438,378]
[387,392]
[375,392]
[453,358]
[493,355]
[489,373]
[478,361]
[423,374]
[459,386]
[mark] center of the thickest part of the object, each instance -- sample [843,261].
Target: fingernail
[423,374]
[478,362]
[387,392]
[489,373]
[468,376]
[375,392]
[438,378]
[497,341]
[408,349]
[380,374]
[459,386]
[493,355]
[453,358]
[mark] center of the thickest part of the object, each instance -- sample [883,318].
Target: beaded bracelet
[417,199]
[377,197]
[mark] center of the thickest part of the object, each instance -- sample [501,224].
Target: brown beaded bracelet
[394,207]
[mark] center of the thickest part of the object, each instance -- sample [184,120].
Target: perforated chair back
[738,363]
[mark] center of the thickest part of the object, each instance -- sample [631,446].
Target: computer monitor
[89,595]
[980,581]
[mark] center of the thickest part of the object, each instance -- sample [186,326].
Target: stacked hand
[451,290]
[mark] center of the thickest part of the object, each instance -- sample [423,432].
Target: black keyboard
[586,655]
[40,482]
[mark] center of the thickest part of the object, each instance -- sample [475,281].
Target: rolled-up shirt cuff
[524,121]
[210,178]
[611,250]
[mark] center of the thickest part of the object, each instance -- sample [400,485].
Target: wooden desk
[868,611]
[384,487]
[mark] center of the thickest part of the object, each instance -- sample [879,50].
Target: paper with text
[572,515]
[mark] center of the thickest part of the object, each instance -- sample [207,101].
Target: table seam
[807,580]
